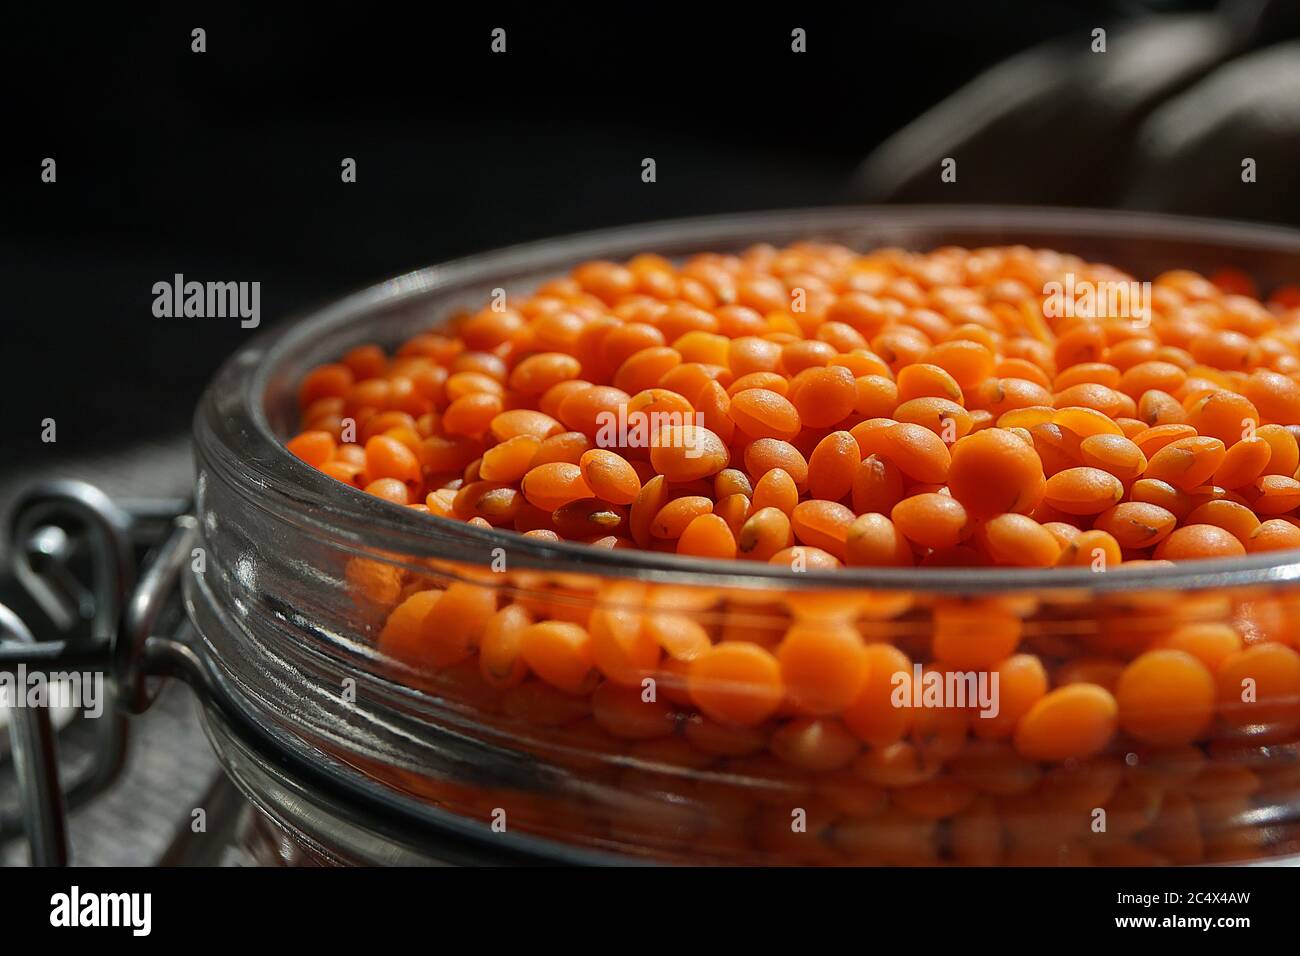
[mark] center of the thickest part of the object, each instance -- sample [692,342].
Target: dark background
[225,165]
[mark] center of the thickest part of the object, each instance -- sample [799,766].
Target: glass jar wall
[298,607]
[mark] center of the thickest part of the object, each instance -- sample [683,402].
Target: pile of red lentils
[880,409]
[825,407]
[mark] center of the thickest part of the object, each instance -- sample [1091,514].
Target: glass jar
[360,758]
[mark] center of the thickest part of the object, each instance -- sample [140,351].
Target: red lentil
[922,411]
[1068,723]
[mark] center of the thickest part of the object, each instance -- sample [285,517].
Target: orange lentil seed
[609,476]
[736,683]
[1070,722]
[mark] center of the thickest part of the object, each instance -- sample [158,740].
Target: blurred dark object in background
[225,165]
[1160,119]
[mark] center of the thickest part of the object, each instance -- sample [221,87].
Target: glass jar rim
[235,436]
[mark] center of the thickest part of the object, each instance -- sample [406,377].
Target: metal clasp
[103,628]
